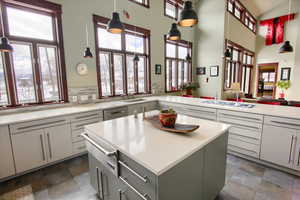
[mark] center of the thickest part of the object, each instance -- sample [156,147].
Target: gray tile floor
[70,181]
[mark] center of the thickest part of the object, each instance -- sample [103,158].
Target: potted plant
[188,88]
[168,118]
[283,85]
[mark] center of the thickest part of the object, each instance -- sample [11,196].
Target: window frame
[241,65]
[45,8]
[243,14]
[146,3]
[101,22]
[189,46]
[177,4]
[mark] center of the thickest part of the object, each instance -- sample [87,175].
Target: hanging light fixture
[4,45]
[227,53]
[115,25]
[87,52]
[188,57]
[188,17]
[287,47]
[174,33]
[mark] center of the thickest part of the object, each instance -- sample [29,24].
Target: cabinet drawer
[137,176]
[87,116]
[38,124]
[80,124]
[79,147]
[139,107]
[236,145]
[115,113]
[76,135]
[282,122]
[245,132]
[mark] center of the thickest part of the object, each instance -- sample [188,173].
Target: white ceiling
[259,7]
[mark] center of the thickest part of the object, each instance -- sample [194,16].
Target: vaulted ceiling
[262,6]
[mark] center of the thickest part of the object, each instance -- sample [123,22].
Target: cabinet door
[7,167]
[297,152]
[278,145]
[29,150]
[59,145]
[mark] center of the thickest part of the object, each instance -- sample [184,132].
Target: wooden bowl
[168,119]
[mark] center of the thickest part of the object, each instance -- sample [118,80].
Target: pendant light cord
[2,21]
[228,29]
[290,8]
[87,35]
[115,6]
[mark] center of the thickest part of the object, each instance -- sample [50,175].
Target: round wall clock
[82,69]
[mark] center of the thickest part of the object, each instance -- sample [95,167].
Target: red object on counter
[239,100]
[190,96]
[203,97]
[269,103]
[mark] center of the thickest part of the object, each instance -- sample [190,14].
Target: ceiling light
[174,33]
[188,17]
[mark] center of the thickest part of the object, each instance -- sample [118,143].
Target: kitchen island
[130,159]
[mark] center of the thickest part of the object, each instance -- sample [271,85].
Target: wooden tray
[178,128]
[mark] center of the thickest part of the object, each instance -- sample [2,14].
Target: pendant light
[227,54]
[174,33]
[287,47]
[188,17]
[136,58]
[115,25]
[87,52]
[4,45]
[188,58]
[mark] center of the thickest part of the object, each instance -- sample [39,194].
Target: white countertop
[156,150]
[280,111]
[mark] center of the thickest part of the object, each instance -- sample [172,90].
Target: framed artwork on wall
[214,71]
[158,69]
[200,71]
[285,74]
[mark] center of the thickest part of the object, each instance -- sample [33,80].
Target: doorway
[267,79]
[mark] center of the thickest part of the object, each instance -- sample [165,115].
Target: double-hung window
[34,73]
[238,69]
[142,2]
[173,8]
[238,10]
[178,65]
[118,73]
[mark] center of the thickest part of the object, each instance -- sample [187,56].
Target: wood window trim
[242,51]
[243,12]
[99,22]
[146,3]
[182,43]
[45,8]
[177,5]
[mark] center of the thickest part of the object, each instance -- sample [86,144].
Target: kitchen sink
[231,104]
[133,100]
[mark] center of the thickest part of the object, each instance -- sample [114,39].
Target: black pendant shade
[188,17]
[88,53]
[136,58]
[5,46]
[174,33]
[115,25]
[286,48]
[227,53]
[188,58]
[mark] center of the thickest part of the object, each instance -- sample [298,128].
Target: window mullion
[37,73]
[112,74]
[10,80]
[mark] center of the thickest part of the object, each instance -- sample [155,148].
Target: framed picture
[285,74]
[200,71]
[214,71]
[158,69]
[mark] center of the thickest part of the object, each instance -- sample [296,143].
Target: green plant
[190,86]
[169,111]
[284,85]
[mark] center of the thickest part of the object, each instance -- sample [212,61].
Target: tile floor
[70,181]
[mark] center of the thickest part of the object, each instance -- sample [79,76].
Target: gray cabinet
[114,113]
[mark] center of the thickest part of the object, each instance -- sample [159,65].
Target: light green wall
[209,41]
[78,13]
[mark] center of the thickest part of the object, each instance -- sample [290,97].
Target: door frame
[276,65]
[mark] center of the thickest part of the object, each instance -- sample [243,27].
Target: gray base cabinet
[200,176]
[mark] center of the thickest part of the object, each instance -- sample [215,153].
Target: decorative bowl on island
[168,118]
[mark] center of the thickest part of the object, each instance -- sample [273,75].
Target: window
[142,2]
[238,69]
[178,68]
[34,73]
[173,8]
[236,8]
[118,74]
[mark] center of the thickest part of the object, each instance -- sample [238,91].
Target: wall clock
[82,69]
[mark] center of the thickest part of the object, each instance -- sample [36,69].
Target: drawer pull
[111,165]
[240,125]
[87,116]
[143,178]
[285,123]
[298,158]
[50,148]
[42,145]
[100,183]
[107,153]
[143,196]
[292,141]
[244,149]
[238,116]
[39,125]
